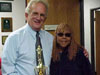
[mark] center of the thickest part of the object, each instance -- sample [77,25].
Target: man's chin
[38,28]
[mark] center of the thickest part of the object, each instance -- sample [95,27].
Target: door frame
[92,19]
[82,22]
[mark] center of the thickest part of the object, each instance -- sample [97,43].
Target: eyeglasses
[66,34]
[36,14]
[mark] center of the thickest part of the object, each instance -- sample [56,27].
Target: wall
[17,14]
[88,4]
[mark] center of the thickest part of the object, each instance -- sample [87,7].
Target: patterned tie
[38,43]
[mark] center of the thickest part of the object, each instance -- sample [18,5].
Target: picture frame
[6,24]
[5,7]
[4,39]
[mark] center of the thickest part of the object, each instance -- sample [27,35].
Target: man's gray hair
[27,10]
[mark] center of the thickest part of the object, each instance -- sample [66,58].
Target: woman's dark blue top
[79,66]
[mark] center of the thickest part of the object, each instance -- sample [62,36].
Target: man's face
[37,16]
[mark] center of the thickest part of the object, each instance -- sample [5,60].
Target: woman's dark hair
[73,47]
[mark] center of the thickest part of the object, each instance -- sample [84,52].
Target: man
[19,53]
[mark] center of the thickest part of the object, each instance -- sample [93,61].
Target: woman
[67,56]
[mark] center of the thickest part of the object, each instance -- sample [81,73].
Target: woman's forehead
[64,31]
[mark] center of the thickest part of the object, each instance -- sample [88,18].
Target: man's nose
[39,16]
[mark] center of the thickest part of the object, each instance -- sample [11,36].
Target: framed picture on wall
[5,7]
[6,24]
[4,39]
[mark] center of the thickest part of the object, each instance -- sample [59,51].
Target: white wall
[88,4]
[18,17]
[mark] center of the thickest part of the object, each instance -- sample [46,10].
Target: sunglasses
[66,34]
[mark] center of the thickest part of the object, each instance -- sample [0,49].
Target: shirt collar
[33,32]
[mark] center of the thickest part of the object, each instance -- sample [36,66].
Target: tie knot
[37,38]
[37,32]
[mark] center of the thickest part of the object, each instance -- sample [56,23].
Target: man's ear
[26,15]
[45,18]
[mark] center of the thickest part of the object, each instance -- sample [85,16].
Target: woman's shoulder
[84,62]
[80,54]
[80,51]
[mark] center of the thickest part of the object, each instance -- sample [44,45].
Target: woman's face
[64,38]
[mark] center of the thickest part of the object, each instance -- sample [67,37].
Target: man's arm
[9,57]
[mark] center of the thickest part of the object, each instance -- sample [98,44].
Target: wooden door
[98,42]
[65,11]
[27,1]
